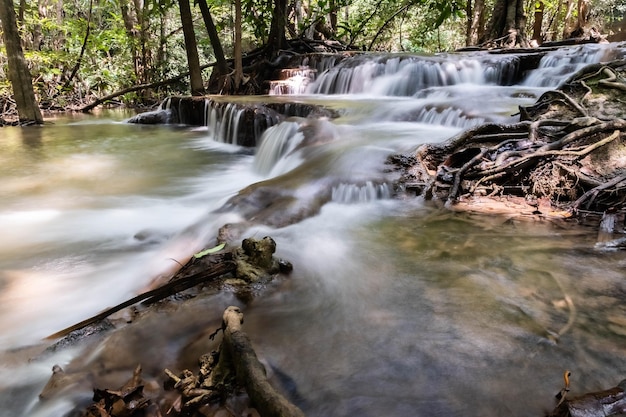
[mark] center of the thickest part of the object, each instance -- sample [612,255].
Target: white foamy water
[397,307]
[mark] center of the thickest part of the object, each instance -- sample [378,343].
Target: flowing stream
[394,308]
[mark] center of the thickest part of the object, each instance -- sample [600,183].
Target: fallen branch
[250,372]
[111,96]
[237,366]
[591,194]
[155,295]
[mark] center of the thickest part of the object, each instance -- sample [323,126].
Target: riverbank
[563,159]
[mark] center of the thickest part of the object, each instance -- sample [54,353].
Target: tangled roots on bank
[567,153]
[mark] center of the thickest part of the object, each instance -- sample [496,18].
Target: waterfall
[558,65]
[292,81]
[277,143]
[448,116]
[360,193]
[223,122]
[392,75]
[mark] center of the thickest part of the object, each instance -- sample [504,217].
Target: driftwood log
[607,403]
[235,365]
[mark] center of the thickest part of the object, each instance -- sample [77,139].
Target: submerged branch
[153,296]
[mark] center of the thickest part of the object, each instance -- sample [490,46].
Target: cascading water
[277,144]
[556,66]
[223,122]
[355,193]
[407,75]
[394,308]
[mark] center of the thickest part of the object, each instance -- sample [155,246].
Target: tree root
[566,151]
[484,158]
[234,365]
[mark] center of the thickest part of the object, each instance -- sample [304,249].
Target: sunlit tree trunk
[19,75]
[475,21]
[583,13]
[568,22]
[193,60]
[297,11]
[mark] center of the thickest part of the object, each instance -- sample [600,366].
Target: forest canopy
[81,50]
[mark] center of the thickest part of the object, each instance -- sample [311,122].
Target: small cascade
[237,122]
[223,121]
[292,81]
[276,144]
[448,116]
[360,193]
[558,65]
[392,75]
[609,228]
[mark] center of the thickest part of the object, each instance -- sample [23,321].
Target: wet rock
[155,117]
[60,381]
[255,260]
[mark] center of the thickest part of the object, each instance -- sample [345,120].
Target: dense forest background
[81,50]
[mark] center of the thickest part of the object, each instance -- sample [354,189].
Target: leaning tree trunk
[19,75]
[222,65]
[195,73]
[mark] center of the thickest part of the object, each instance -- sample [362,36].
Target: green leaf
[209,251]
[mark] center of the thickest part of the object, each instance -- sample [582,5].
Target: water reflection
[438,314]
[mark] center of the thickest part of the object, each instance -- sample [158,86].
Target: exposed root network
[566,154]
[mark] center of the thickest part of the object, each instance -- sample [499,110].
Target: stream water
[394,308]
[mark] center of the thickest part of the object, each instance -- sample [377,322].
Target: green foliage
[117,56]
[209,251]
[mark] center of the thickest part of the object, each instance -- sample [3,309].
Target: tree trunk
[554,23]
[237,350]
[238,52]
[476,20]
[222,65]
[539,7]
[82,50]
[583,16]
[333,16]
[568,24]
[468,23]
[276,39]
[193,60]
[19,75]
[506,27]
[130,22]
